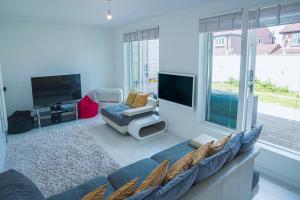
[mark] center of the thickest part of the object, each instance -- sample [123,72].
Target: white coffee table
[147,127]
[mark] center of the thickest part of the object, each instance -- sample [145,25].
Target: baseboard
[279,177]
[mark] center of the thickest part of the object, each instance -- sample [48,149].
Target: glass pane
[277,85]
[134,66]
[149,66]
[223,78]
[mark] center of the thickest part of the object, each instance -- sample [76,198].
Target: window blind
[226,22]
[143,34]
[275,15]
[130,37]
[149,34]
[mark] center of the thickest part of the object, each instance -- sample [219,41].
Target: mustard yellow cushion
[156,177]
[140,100]
[201,153]
[125,191]
[96,194]
[130,98]
[180,166]
[219,145]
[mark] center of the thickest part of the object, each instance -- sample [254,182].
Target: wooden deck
[280,131]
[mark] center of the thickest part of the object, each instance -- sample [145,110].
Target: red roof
[267,48]
[291,28]
[293,50]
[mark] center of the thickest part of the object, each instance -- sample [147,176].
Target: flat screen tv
[177,88]
[51,90]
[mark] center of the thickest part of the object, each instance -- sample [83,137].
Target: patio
[280,131]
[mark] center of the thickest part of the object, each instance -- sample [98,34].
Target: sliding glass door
[223,42]
[141,56]
[274,57]
[224,53]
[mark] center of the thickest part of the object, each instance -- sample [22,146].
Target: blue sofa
[236,160]
[178,186]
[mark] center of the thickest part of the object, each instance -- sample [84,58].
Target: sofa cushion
[80,191]
[211,165]
[130,98]
[178,186]
[147,194]
[14,185]
[219,145]
[234,144]
[180,166]
[115,114]
[156,177]
[127,190]
[174,153]
[140,169]
[250,138]
[140,100]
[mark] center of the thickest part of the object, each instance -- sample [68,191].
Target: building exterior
[229,42]
[291,39]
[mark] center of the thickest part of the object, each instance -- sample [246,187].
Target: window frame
[295,42]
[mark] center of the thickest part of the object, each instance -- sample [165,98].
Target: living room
[168,52]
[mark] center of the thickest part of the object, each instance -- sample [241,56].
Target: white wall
[179,52]
[30,49]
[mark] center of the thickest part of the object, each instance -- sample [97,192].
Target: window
[219,41]
[223,68]
[260,41]
[295,37]
[142,60]
[223,83]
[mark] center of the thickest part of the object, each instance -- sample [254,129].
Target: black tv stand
[54,114]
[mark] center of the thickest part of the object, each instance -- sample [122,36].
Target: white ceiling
[90,12]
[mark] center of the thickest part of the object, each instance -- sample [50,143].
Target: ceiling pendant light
[108,16]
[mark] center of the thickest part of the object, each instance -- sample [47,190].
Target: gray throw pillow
[14,185]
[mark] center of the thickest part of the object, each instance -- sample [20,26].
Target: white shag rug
[59,159]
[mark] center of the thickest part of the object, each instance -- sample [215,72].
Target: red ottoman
[87,108]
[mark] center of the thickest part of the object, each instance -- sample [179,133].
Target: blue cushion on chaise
[115,114]
[178,186]
[250,138]
[139,169]
[81,190]
[174,153]
[234,144]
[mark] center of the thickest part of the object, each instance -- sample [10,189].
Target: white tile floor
[126,150]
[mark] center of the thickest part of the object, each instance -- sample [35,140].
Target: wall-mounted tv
[177,88]
[51,90]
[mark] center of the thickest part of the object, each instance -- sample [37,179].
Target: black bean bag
[20,122]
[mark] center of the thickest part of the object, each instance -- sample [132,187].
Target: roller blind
[149,34]
[143,34]
[226,22]
[130,37]
[275,15]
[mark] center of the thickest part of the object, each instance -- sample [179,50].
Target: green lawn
[266,91]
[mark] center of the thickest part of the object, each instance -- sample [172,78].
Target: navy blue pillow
[211,165]
[147,194]
[178,186]
[14,185]
[250,138]
[234,144]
